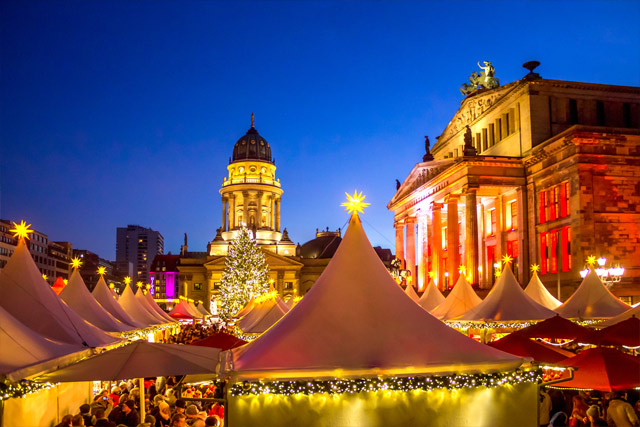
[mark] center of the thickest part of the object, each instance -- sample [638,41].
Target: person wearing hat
[192,413]
[163,417]
[129,415]
[179,407]
[593,417]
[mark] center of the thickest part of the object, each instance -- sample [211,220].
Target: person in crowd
[123,388]
[115,413]
[129,415]
[101,401]
[198,422]
[180,407]
[559,419]
[163,417]
[100,415]
[579,412]
[150,420]
[85,412]
[192,413]
[103,422]
[115,395]
[620,413]
[77,420]
[212,421]
[593,417]
[65,421]
[545,407]
[178,420]
[218,410]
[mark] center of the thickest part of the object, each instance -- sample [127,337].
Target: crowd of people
[570,408]
[194,332]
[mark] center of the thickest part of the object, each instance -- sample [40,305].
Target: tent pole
[142,405]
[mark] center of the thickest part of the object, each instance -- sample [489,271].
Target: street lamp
[608,276]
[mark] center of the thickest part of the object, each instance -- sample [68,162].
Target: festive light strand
[9,389]
[340,386]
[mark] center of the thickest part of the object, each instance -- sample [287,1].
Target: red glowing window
[544,253]
[566,249]
[553,252]
[543,207]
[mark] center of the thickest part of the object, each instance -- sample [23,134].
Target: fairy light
[9,389]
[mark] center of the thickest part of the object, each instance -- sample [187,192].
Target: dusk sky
[116,113]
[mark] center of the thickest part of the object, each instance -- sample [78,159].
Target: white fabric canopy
[203,310]
[154,305]
[193,308]
[461,299]
[507,302]
[263,316]
[633,311]
[21,347]
[539,293]
[105,297]
[28,298]
[356,320]
[78,297]
[411,293]
[247,308]
[132,306]
[431,298]
[182,310]
[592,300]
[145,304]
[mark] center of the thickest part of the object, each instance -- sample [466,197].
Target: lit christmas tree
[246,275]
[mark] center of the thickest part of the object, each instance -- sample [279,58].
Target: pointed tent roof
[592,300]
[507,302]
[144,303]
[431,297]
[78,297]
[461,299]
[411,293]
[263,316]
[357,320]
[132,306]
[247,308]
[524,347]
[58,286]
[203,310]
[182,311]
[154,305]
[22,347]
[105,297]
[633,311]
[539,293]
[193,308]
[26,296]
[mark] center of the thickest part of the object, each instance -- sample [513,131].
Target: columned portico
[400,243]
[471,240]
[436,244]
[411,248]
[453,239]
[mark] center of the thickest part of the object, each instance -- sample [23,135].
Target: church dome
[252,147]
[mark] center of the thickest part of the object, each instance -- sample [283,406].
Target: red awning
[524,347]
[626,333]
[554,328]
[220,340]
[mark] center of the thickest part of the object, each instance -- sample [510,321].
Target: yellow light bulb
[21,230]
[76,263]
[102,270]
[355,203]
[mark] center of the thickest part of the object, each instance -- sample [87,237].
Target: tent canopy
[539,293]
[263,316]
[78,297]
[146,304]
[507,302]
[555,327]
[633,311]
[625,333]
[105,297]
[592,300]
[411,293]
[28,298]
[356,320]
[182,311]
[460,300]
[132,306]
[220,340]
[524,347]
[431,297]
[154,306]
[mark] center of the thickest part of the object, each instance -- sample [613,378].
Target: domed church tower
[251,197]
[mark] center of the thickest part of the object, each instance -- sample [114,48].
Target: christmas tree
[246,275]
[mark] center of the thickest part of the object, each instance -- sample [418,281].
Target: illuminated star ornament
[21,230]
[355,203]
[127,280]
[76,263]
[591,260]
[462,269]
[507,259]
[102,270]
[44,276]
[535,268]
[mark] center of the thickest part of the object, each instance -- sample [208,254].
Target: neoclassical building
[546,171]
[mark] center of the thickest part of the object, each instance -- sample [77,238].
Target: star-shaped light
[507,259]
[102,270]
[535,268]
[127,280]
[139,284]
[76,263]
[21,230]
[65,281]
[462,269]
[432,274]
[591,259]
[355,203]
[44,276]
[111,285]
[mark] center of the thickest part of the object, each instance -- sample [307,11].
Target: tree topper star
[355,203]
[21,230]
[102,270]
[76,263]
[507,259]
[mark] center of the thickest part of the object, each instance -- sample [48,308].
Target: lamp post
[608,276]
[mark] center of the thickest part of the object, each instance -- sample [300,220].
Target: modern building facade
[139,246]
[545,171]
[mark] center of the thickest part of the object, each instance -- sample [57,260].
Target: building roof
[169,262]
[357,320]
[323,246]
[252,146]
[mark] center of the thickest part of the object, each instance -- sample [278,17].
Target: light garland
[143,333]
[358,385]
[10,390]
[464,326]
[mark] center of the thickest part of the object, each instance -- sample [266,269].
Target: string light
[9,389]
[340,386]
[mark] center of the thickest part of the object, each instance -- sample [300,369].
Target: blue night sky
[116,113]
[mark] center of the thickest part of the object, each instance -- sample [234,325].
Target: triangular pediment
[276,260]
[419,175]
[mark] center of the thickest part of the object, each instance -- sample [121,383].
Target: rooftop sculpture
[485,80]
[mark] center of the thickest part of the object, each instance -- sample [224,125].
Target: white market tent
[592,300]
[26,296]
[431,297]
[357,320]
[145,304]
[507,302]
[182,311]
[633,311]
[78,297]
[154,305]
[105,297]
[411,293]
[203,310]
[461,299]
[22,348]
[263,316]
[132,306]
[539,293]
[193,308]
[247,308]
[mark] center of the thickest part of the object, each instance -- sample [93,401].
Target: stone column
[423,261]
[453,237]
[523,250]
[278,214]
[436,244]
[400,243]
[224,213]
[259,203]
[471,241]
[245,208]
[272,213]
[411,248]
[232,211]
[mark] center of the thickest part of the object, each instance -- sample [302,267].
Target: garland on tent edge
[339,386]
[519,324]
[9,389]
[142,333]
